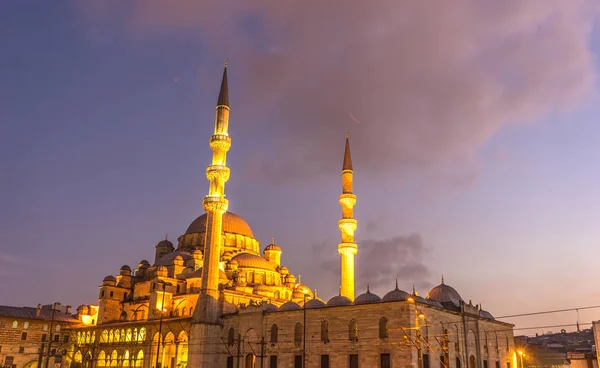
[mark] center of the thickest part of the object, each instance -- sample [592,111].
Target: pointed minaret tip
[224,92]
[442,279]
[347,158]
[396,284]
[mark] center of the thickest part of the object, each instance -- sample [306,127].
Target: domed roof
[486,314]
[247,260]
[144,264]
[366,298]
[315,303]
[125,268]
[396,295]
[273,246]
[268,307]
[110,278]
[300,290]
[445,294]
[338,300]
[289,306]
[164,243]
[232,223]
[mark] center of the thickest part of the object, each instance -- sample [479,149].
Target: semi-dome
[232,223]
[396,295]
[338,301]
[315,303]
[445,294]
[289,306]
[168,258]
[367,298]
[247,260]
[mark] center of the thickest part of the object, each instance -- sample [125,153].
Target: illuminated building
[28,334]
[214,301]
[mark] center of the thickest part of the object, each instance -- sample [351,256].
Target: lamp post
[50,336]
[418,315]
[521,354]
[162,309]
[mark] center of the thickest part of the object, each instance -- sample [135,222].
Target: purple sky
[473,129]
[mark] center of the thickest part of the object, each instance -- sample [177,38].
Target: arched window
[230,336]
[142,334]
[135,335]
[353,330]
[128,335]
[25,325]
[325,331]
[383,328]
[15,324]
[79,339]
[183,310]
[122,339]
[45,328]
[57,328]
[191,311]
[104,336]
[123,316]
[298,334]
[274,333]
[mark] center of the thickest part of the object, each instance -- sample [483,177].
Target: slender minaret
[347,224]
[215,205]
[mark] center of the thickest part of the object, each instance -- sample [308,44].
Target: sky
[473,129]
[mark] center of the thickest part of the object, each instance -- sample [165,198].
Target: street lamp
[521,354]
[418,314]
[50,339]
[304,330]
[162,309]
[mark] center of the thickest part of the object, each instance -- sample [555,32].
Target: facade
[30,335]
[215,301]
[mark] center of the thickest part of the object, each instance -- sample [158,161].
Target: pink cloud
[429,81]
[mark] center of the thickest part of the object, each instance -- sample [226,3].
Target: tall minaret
[215,205]
[347,224]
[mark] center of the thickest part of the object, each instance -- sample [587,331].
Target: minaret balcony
[348,225]
[218,172]
[215,204]
[348,200]
[350,249]
[220,142]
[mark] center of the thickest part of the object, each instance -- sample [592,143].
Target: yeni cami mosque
[215,301]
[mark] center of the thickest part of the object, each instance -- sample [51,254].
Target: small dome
[486,314]
[144,264]
[284,270]
[178,260]
[289,306]
[125,268]
[315,303]
[445,294]
[367,298]
[396,295]
[300,290]
[197,254]
[338,301]
[268,307]
[169,258]
[110,278]
[247,260]
[274,247]
[165,243]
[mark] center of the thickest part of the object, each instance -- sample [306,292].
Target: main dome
[232,224]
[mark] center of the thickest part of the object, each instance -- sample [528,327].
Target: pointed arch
[274,333]
[353,330]
[101,360]
[325,331]
[384,330]
[298,334]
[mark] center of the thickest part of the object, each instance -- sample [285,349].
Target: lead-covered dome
[367,298]
[232,223]
[445,294]
[396,295]
[247,260]
[338,301]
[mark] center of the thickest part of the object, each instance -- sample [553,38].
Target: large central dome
[232,224]
[237,235]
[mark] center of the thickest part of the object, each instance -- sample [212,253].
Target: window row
[299,361]
[25,326]
[55,338]
[110,336]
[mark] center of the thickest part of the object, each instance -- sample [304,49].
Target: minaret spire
[224,92]
[347,225]
[215,205]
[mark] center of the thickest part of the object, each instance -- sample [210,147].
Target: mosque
[214,300]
